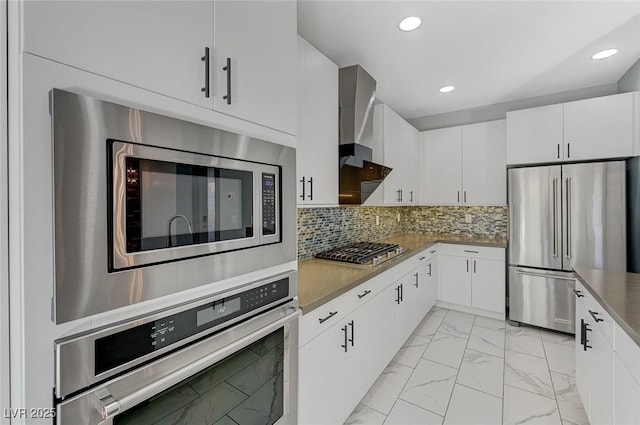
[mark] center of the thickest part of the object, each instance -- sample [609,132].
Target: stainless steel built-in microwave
[147,205]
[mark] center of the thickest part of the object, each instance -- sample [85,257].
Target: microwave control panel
[119,348]
[269,204]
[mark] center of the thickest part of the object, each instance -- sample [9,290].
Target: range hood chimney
[359,177]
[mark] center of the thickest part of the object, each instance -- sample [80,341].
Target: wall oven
[147,205]
[227,359]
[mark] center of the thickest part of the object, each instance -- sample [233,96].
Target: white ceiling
[491,51]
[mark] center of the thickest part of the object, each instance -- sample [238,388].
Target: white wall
[4,280]
[498,111]
[630,81]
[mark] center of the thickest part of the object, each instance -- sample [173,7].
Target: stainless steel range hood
[359,177]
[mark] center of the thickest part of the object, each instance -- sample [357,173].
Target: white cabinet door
[442,166]
[535,135]
[142,43]
[602,374]
[488,285]
[484,173]
[583,357]
[384,322]
[456,280]
[259,37]
[627,394]
[432,281]
[317,150]
[402,152]
[417,295]
[599,128]
[321,373]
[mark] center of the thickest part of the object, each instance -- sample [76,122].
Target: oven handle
[109,406]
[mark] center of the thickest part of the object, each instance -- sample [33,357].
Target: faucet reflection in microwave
[171,220]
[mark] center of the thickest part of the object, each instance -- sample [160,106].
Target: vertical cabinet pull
[416,276]
[345,345]
[458,196]
[568,150]
[402,292]
[351,324]
[303,181]
[467,266]
[585,344]
[227,68]
[474,266]
[398,294]
[411,196]
[465,196]
[558,150]
[429,272]
[311,188]
[206,89]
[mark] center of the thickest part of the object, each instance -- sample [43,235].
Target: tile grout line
[555,395]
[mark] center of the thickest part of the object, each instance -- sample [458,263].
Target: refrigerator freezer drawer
[542,298]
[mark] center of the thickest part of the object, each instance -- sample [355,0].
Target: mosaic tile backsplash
[320,229]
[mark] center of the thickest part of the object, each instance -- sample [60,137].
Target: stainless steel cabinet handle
[578,293]
[364,294]
[467,266]
[568,150]
[411,196]
[548,276]
[331,314]
[303,181]
[399,197]
[416,276]
[555,221]
[594,314]
[465,196]
[227,68]
[351,324]
[458,196]
[469,250]
[429,272]
[569,212]
[558,150]
[311,188]
[346,339]
[207,62]
[474,266]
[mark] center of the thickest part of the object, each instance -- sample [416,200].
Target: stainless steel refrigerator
[562,217]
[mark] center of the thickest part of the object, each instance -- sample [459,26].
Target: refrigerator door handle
[555,218]
[568,212]
[530,273]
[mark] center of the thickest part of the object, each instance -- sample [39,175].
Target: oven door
[169,205]
[244,375]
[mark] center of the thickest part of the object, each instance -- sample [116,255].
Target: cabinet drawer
[473,251]
[628,351]
[601,319]
[322,318]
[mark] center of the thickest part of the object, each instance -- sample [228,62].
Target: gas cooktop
[362,253]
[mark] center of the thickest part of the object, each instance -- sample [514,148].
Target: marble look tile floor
[458,368]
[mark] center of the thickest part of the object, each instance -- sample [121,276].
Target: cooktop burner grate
[361,253]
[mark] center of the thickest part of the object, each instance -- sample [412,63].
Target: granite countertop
[320,281]
[619,295]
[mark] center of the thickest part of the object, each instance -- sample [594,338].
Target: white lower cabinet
[473,276]
[339,364]
[609,392]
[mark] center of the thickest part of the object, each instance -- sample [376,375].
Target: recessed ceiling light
[447,89]
[605,54]
[410,23]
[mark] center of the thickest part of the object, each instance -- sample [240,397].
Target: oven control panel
[269,204]
[122,347]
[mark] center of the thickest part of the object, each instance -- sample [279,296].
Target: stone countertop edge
[412,242]
[618,293]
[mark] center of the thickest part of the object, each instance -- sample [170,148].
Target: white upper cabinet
[161,46]
[401,150]
[259,39]
[598,128]
[317,149]
[535,135]
[443,166]
[484,180]
[142,43]
[465,165]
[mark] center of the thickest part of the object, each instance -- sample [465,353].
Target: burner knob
[376,260]
[399,250]
[389,254]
